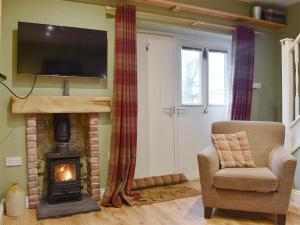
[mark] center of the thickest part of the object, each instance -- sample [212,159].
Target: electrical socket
[14,161]
[257,86]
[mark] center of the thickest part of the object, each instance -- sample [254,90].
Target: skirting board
[192,178]
[295,197]
[27,202]
[102,190]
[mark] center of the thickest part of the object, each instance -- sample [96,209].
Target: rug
[168,193]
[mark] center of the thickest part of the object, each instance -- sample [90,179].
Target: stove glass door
[65,172]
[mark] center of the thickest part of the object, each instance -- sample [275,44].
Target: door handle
[170,110]
[205,110]
[180,110]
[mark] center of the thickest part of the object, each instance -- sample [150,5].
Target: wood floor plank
[187,211]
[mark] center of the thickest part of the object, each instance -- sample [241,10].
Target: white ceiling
[275,2]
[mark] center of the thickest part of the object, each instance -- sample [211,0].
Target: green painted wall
[293,21]
[266,102]
[12,127]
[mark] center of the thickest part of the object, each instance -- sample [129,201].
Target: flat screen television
[50,50]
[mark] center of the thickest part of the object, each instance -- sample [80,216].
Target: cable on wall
[29,93]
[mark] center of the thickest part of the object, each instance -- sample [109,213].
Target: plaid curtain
[124,129]
[242,72]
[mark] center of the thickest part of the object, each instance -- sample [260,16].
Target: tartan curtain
[124,122]
[242,72]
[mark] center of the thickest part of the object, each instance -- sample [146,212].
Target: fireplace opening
[64,179]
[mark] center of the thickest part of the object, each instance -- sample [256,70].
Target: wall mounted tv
[50,50]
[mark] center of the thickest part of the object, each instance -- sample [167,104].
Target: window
[217,61]
[191,84]
[204,77]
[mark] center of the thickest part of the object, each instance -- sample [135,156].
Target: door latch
[170,110]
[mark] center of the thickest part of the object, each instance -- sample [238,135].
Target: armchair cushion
[260,179]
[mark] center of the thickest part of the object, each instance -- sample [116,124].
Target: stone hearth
[44,210]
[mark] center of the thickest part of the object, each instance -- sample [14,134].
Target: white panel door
[156,78]
[202,100]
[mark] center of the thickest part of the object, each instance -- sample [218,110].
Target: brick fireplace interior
[84,144]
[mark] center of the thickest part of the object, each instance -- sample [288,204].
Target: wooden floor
[188,211]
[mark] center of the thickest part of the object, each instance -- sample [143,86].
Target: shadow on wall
[49,82]
[13,121]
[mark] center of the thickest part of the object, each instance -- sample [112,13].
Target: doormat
[87,204]
[168,193]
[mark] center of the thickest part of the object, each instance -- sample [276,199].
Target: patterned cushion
[233,150]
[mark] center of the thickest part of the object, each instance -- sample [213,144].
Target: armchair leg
[207,212]
[281,218]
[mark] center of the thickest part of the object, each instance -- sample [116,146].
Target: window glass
[217,77]
[191,86]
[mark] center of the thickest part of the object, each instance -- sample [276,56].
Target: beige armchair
[266,188]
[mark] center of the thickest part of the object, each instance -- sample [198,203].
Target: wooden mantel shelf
[61,104]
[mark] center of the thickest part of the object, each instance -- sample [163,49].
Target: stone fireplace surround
[91,106]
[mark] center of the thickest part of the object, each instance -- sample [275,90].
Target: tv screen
[61,51]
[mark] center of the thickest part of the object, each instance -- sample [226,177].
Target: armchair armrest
[208,162]
[283,165]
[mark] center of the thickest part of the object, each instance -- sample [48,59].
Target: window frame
[216,44]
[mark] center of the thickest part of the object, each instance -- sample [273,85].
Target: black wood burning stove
[64,183]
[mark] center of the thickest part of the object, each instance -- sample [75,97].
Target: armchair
[266,188]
